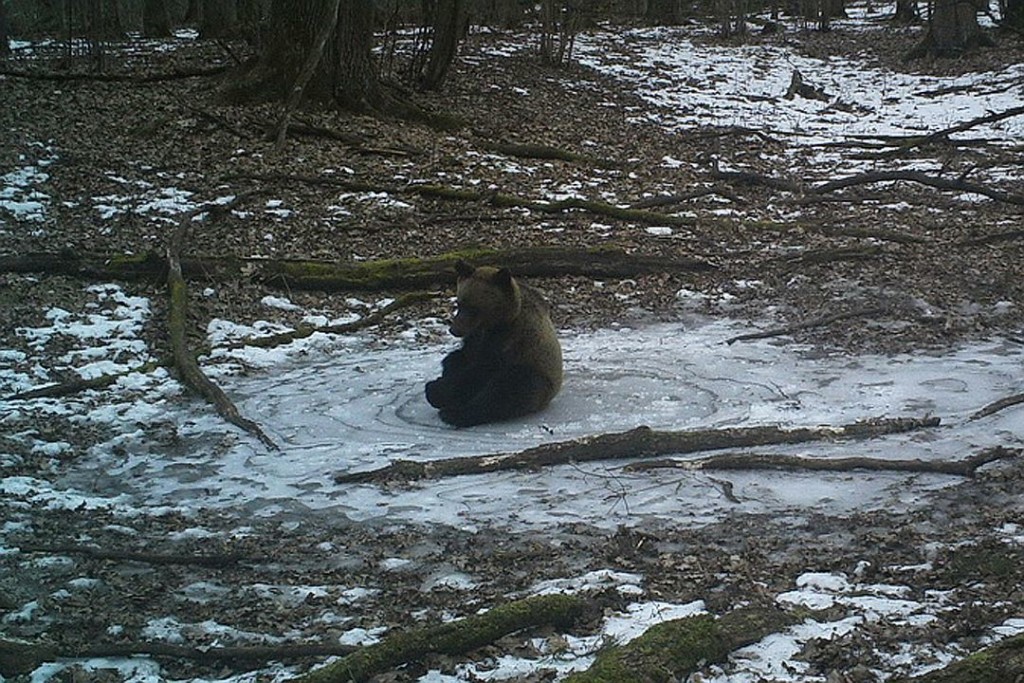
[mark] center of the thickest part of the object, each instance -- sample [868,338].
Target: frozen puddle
[358,406]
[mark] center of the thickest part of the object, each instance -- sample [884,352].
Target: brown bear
[510,362]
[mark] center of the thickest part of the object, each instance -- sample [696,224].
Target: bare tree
[219,19]
[344,72]
[449,23]
[952,29]
[5,31]
[156,21]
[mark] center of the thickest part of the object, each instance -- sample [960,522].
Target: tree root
[641,442]
[763,461]
[470,633]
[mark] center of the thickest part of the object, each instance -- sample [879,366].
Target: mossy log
[641,442]
[672,650]
[184,359]
[394,274]
[1000,663]
[456,637]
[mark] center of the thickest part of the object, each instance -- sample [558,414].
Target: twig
[814,322]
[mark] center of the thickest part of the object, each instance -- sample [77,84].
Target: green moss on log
[560,611]
[672,650]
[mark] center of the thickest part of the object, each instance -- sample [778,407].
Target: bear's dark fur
[510,362]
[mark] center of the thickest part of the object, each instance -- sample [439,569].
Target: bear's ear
[503,278]
[463,269]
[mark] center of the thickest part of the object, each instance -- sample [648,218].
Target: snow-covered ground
[343,404]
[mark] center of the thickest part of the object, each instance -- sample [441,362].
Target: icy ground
[355,403]
[338,404]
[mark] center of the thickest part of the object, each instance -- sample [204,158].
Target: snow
[353,403]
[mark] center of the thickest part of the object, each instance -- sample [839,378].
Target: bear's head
[488,297]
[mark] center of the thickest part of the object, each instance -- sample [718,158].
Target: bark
[312,60]
[464,635]
[184,359]
[760,461]
[449,23]
[393,274]
[219,19]
[672,650]
[952,30]
[642,442]
[5,31]
[156,22]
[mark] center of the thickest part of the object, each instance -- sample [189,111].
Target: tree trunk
[5,31]
[346,74]
[952,29]
[449,21]
[219,19]
[664,12]
[1013,16]
[156,21]
[906,12]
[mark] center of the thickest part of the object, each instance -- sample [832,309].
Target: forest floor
[917,268]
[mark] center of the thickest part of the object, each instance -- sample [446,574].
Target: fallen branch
[398,273]
[129,556]
[821,321]
[537,151]
[958,185]
[671,199]
[764,461]
[497,199]
[672,650]
[816,256]
[747,178]
[917,141]
[451,638]
[996,406]
[642,442]
[79,385]
[184,360]
[21,657]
